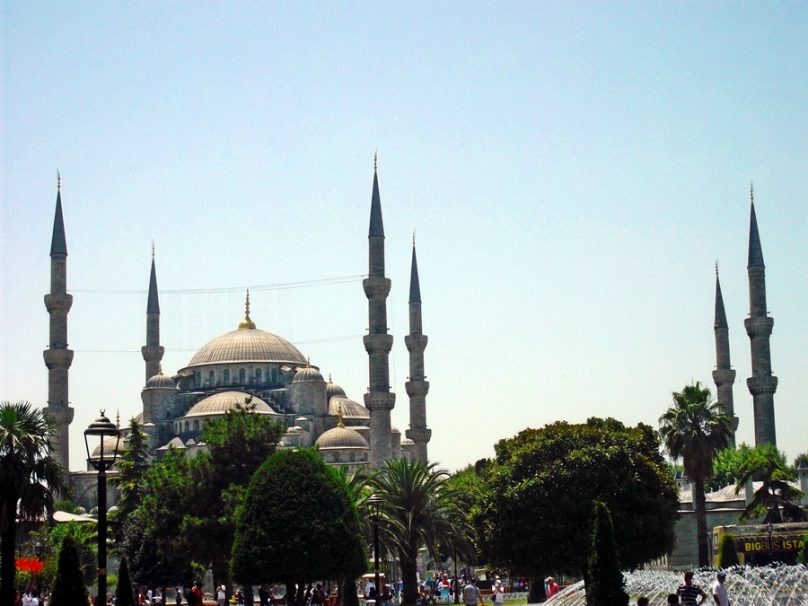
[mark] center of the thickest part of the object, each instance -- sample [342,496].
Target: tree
[536,512]
[695,428]
[124,592]
[776,500]
[29,479]
[727,551]
[133,465]
[604,583]
[69,589]
[296,524]
[419,509]
[801,460]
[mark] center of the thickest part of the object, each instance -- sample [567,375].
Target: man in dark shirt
[690,594]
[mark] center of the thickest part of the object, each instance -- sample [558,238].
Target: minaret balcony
[765,384]
[419,435]
[759,326]
[376,287]
[152,352]
[416,343]
[380,401]
[417,389]
[723,376]
[378,344]
[62,415]
[58,302]
[58,358]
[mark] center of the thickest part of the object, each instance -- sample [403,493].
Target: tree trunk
[410,577]
[290,594]
[8,536]
[701,521]
[536,593]
[347,593]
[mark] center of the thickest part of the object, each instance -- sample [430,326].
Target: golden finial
[752,192]
[329,378]
[716,268]
[375,160]
[58,180]
[413,238]
[152,250]
[340,423]
[247,322]
[118,418]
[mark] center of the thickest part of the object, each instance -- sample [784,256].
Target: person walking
[720,595]
[471,593]
[690,594]
[498,593]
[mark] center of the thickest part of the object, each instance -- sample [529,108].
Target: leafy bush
[727,551]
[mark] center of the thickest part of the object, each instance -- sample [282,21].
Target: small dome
[109,446]
[220,403]
[395,430]
[350,410]
[174,442]
[332,389]
[341,437]
[308,374]
[407,442]
[161,381]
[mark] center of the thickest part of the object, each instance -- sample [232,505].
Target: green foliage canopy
[777,500]
[537,508]
[297,523]
[69,589]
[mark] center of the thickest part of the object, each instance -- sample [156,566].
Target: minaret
[723,375]
[58,357]
[379,399]
[762,384]
[417,386]
[152,351]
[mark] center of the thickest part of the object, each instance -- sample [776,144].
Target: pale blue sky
[572,169]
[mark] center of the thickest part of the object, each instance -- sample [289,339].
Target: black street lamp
[102,458]
[38,553]
[770,530]
[374,504]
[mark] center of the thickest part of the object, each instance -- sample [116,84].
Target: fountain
[778,585]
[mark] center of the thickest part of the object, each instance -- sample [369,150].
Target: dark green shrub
[69,589]
[124,592]
[604,585]
[727,552]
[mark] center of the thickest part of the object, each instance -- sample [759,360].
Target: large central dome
[247,345]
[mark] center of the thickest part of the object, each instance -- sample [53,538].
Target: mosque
[259,370]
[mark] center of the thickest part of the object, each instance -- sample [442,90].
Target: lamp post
[374,504]
[770,530]
[38,553]
[102,458]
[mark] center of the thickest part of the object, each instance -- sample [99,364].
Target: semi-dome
[332,389]
[109,445]
[161,381]
[308,374]
[340,405]
[220,403]
[341,437]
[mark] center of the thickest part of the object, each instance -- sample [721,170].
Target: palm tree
[775,499]
[29,479]
[419,509]
[695,428]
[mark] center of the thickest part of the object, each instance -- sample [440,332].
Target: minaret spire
[152,351]
[762,384]
[723,375]
[379,399]
[58,357]
[417,387]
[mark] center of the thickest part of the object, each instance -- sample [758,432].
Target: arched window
[274,372]
[226,380]
[242,376]
[197,379]
[258,375]
[211,378]
[196,425]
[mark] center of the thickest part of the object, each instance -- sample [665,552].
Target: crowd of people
[690,594]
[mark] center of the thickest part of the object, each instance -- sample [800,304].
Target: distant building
[258,369]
